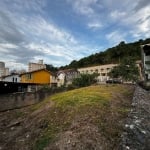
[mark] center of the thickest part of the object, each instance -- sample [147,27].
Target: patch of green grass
[94,102]
[41,143]
[83,96]
[123,110]
[58,121]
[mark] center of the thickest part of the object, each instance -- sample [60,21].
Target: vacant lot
[89,118]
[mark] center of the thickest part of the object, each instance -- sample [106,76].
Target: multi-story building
[102,70]
[36,66]
[146,61]
[6,71]
[3,71]
[2,68]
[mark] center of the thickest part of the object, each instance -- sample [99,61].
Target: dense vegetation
[126,70]
[111,55]
[85,80]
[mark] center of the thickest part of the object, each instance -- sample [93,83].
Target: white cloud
[40,28]
[139,22]
[84,7]
[95,25]
[116,15]
[7,45]
[45,38]
[115,37]
[25,6]
[144,26]
[132,21]
[12,65]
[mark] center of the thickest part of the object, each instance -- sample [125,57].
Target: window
[96,70]
[29,76]
[102,70]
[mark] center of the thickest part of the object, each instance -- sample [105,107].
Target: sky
[60,31]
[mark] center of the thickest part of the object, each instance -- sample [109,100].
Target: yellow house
[41,76]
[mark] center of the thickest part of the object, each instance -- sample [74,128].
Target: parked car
[114,81]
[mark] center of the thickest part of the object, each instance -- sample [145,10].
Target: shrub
[85,80]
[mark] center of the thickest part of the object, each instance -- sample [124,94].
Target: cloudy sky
[59,31]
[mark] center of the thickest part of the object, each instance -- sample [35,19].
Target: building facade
[38,77]
[36,66]
[65,77]
[11,78]
[146,61]
[3,71]
[102,70]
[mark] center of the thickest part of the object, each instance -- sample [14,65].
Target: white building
[65,77]
[146,61]
[11,78]
[102,70]
[3,71]
[36,66]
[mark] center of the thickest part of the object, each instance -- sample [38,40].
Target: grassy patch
[41,143]
[103,106]
[82,96]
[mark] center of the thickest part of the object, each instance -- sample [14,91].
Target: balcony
[147,62]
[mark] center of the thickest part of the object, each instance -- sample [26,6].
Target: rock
[137,128]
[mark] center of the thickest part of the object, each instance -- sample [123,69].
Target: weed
[42,142]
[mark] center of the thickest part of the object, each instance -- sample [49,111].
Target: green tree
[85,80]
[51,68]
[127,70]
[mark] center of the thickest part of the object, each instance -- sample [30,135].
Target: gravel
[136,135]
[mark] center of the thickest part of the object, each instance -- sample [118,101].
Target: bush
[85,80]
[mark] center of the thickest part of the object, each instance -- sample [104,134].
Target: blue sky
[59,31]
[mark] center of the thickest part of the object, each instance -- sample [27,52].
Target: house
[102,70]
[41,76]
[65,77]
[11,78]
[145,49]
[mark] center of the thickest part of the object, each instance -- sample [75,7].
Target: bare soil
[88,127]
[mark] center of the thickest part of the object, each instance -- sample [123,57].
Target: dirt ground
[90,127]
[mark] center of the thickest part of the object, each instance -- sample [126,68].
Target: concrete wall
[18,100]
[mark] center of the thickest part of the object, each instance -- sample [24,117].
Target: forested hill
[111,55]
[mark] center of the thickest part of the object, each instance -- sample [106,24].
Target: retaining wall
[18,100]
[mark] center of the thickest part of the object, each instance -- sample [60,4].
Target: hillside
[86,118]
[111,55]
